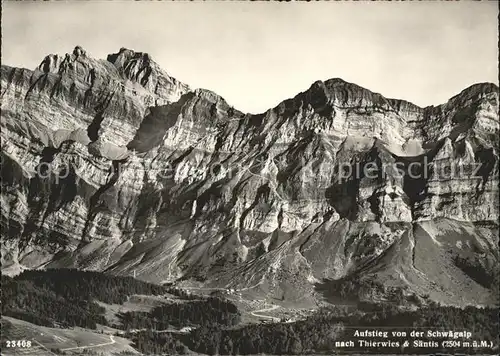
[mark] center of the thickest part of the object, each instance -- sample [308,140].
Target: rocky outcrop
[115,165]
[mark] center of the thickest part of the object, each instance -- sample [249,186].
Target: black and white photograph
[249,178]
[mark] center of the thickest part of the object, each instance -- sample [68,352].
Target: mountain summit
[114,165]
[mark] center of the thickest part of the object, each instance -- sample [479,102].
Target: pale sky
[258,54]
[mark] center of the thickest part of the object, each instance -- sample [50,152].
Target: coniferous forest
[66,298]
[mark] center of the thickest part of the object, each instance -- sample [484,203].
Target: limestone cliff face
[115,165]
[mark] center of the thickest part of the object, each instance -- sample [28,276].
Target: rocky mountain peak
[79,51]
[209,95]
[126,57]
[139,67]
[335,93]
[477,90]
[54,63]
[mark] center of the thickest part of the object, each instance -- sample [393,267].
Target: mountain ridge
[130,54]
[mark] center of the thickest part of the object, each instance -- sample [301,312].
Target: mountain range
[114,165]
